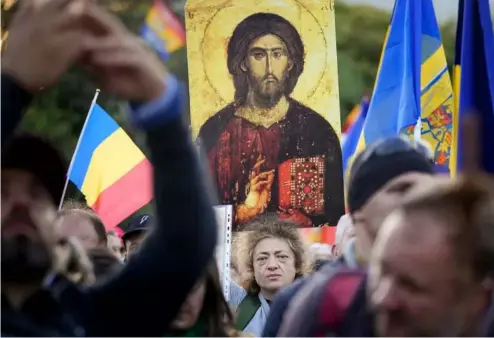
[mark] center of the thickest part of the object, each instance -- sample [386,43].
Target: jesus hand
[259,193]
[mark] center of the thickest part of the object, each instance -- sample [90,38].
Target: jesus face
[267,65]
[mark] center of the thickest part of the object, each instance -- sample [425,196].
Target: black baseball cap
[38,156]
[138,224]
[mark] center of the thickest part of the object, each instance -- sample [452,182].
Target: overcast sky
[445,9]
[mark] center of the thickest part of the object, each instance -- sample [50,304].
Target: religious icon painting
[265,106]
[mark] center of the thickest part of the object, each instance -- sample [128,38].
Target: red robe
[233,145]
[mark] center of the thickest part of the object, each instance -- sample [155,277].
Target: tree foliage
[60,111]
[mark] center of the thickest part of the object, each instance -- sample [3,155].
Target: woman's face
[191,308]
[274,265]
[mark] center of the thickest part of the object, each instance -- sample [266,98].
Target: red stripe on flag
[170,19]
[131,192]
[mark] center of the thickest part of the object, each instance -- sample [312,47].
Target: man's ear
[335,251]
[243,66]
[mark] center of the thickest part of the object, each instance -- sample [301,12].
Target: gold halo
[220,27]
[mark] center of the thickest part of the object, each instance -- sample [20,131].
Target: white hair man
[345,232]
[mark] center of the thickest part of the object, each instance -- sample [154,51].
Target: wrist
[155,91]
[166,107]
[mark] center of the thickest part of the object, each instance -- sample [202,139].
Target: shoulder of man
[336,297]
[322,301]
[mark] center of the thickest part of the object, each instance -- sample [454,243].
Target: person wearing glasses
[380,177]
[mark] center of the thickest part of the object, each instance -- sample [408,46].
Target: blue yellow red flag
[163,30]
[109,169]
[349,145]
[413,87]
[351,118]
[474,77]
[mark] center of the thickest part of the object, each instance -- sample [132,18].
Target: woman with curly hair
[272,256]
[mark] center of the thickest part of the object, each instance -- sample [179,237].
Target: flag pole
[77,148]
[417,131]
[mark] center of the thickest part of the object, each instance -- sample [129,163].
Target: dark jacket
[147,294]
[282,300]
[14,102]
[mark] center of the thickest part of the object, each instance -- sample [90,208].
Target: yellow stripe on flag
[432,67]
[456,94]
[435,95]
[108,164]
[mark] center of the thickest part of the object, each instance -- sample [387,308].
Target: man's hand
[120,61]
[44,40]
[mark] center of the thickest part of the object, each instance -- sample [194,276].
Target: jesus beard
[269,90]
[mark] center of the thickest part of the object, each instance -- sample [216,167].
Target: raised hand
[44,41]
[119,61]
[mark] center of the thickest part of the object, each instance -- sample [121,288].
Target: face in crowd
[133,242]
[345,232]
[206,304]
[274,265]
[422,279]
[368,219]
[28,212]
[116,246]
[191,308]
[84,225]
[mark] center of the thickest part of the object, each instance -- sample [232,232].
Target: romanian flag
[351,118]
[349,145]
[163,30]
[412,85]
[474,77]
[109,169]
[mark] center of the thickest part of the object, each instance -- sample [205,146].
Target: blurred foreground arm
[147,295]
[44,40]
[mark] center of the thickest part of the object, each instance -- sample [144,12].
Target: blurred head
[273,253]
[345,231]
[432,265]
[105,263]
[137,231]
[206,302]
[77,220]
[321,252]
[192,307]
[381,176]
[33,177]
[72,261]
[115,245]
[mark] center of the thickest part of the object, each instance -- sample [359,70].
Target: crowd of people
[414,255]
